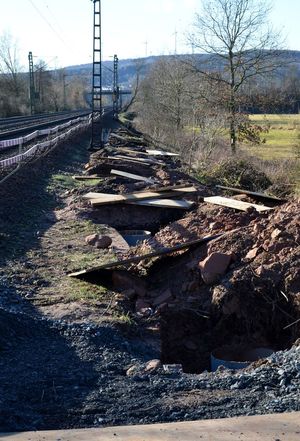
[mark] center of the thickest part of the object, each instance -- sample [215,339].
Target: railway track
[20,126]
[25,141]
[22,137]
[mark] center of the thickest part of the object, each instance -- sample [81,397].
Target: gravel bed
[68,376]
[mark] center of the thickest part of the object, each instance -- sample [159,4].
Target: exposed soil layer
[75,354]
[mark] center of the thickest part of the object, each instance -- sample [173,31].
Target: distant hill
[127,70]
[128,67]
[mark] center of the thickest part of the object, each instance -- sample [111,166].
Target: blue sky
[60,31]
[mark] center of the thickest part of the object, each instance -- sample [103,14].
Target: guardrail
[80,122]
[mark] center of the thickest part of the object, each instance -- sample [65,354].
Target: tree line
[245,70]
[53,90]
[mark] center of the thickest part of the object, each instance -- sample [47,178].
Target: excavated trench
[189,339]
[224,318]
[62,375]
[191,329]
[137,218]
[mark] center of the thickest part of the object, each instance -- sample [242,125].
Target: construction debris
[233,203]
[132,176]
[201,279]
[252,193]
[210,276]
[136,259]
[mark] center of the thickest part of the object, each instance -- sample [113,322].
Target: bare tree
[9,63]
[139,66]
[163,100]
[13,88]
[241,44]
[43,85]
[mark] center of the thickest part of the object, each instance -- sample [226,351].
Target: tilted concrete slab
[277,427]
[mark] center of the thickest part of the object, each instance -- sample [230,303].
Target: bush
[236,173]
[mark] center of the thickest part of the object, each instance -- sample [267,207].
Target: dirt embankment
[74,353]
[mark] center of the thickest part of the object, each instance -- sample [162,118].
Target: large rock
[91,239]
[214,267]
[98,241]
[152,366]
[103,242]
[253,253]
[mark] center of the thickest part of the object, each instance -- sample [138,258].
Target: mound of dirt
[256,302]
[206,220]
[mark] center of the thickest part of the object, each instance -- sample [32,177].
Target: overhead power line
[46,20]
[53,16]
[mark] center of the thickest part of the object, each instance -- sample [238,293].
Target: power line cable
[47,21]
[53,16]
[67,45]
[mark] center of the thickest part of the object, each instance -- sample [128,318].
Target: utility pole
[97,140]
[116,89]
[175,36]
[64,89]
[146,48]
[31,84]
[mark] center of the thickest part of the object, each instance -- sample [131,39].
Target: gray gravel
[56,375]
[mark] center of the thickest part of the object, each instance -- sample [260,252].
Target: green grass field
[282,139]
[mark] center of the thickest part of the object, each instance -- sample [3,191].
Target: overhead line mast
[97,108]
[116,90]
[31,84]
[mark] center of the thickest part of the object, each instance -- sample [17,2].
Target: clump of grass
[64,182]
[124,318]
[83,291]
[85,227]
[83,260]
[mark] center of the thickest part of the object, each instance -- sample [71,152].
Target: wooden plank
[165,203]
[132,176]
[160,153]
[233,203]
[185,188]
[143,160]
[126,159]
[86,177]
[190,189]
[104,198]
[140,160]
[172,190]
[134,152]
[133,139]
[148,152]
[251,193]
[135,259]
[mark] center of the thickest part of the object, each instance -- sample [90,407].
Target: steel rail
[8,134]
[11,120]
